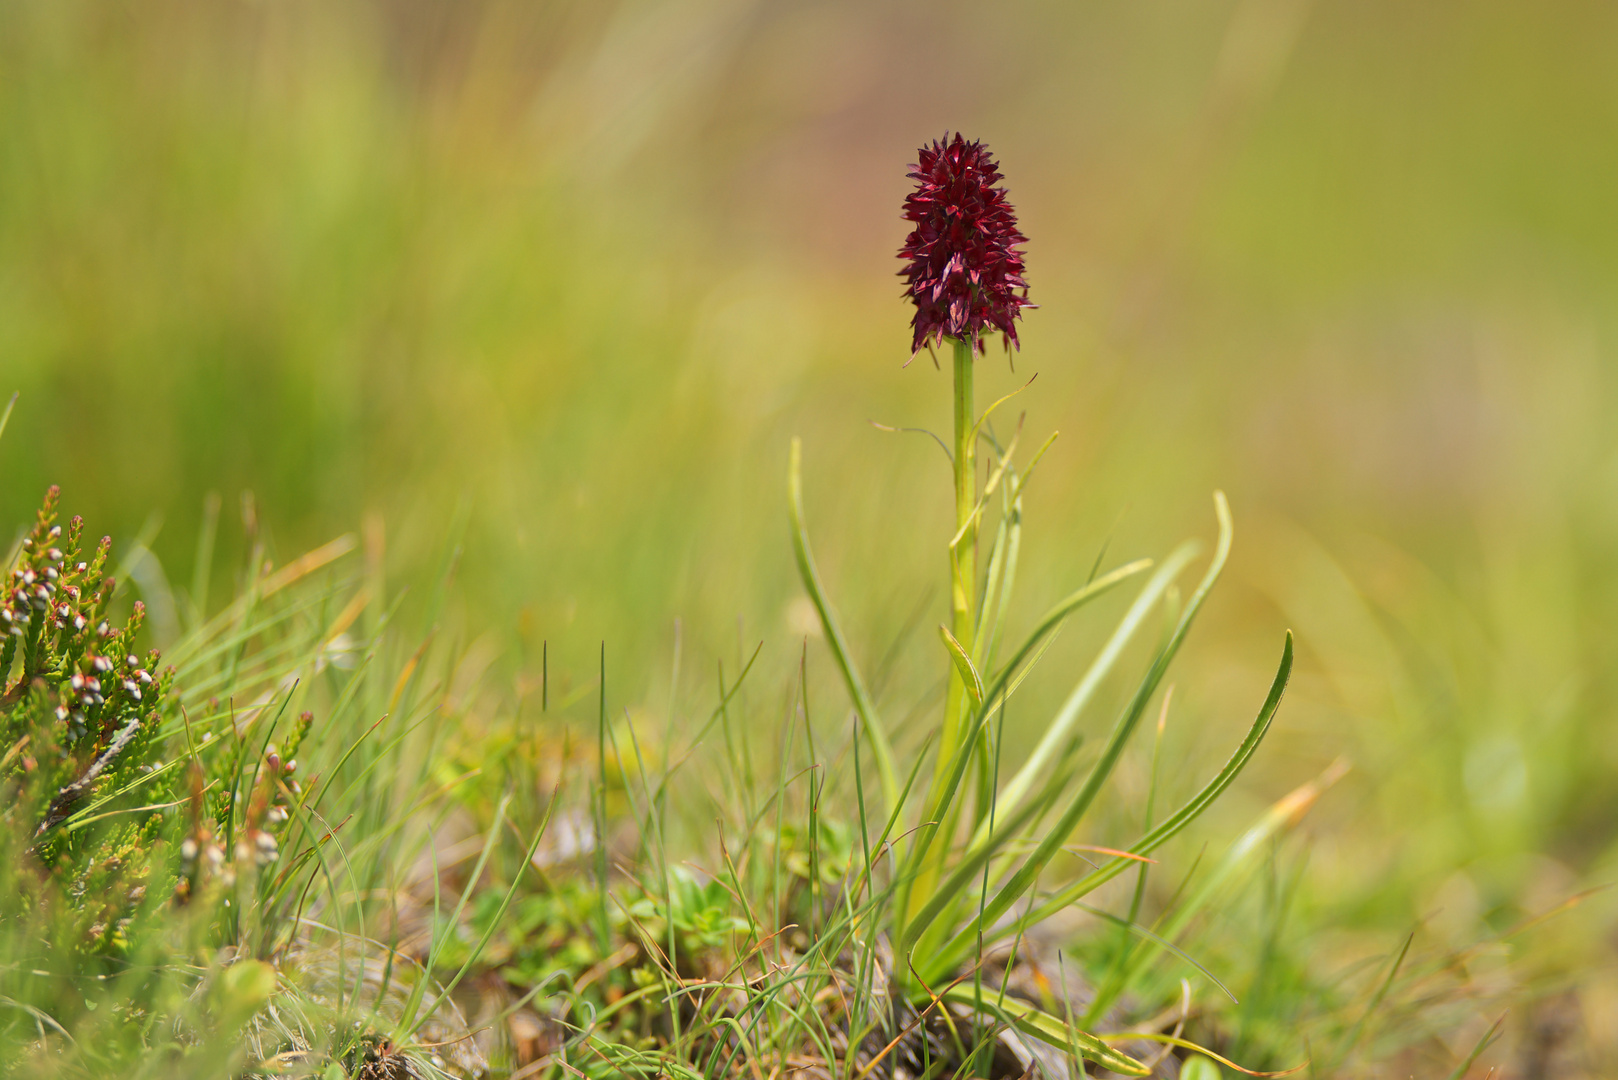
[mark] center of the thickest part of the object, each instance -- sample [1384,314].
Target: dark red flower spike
[964,261]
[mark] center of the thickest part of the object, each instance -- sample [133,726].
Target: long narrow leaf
[1057,734]
[1001,578]
[944,796]
[863,705]
[1025,876]
[1181,818]
[1281,816]
[1048,1029]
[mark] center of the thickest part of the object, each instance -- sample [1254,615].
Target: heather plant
[176,893]
[80,715]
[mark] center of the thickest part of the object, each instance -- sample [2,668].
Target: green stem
[963,553]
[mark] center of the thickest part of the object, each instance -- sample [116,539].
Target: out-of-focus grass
[577,271]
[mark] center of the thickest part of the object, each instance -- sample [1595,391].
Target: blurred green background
[575,273]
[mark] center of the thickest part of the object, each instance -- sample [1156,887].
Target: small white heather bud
[28,577]
[50,573]
[61,712]
[55,554]
[290,767]
[56,530]
[77,682]
[101,664]
[143,678]
[80,567]
[132,689]
[80,622]
[132,661]
[276,815]
[188,849]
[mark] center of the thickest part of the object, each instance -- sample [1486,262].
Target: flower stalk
[963,271]
[963,551]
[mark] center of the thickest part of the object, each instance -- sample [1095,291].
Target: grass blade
[1488,1040]
[1358,1030]
[5,417]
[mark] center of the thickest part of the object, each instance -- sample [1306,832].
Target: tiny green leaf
[963,664]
